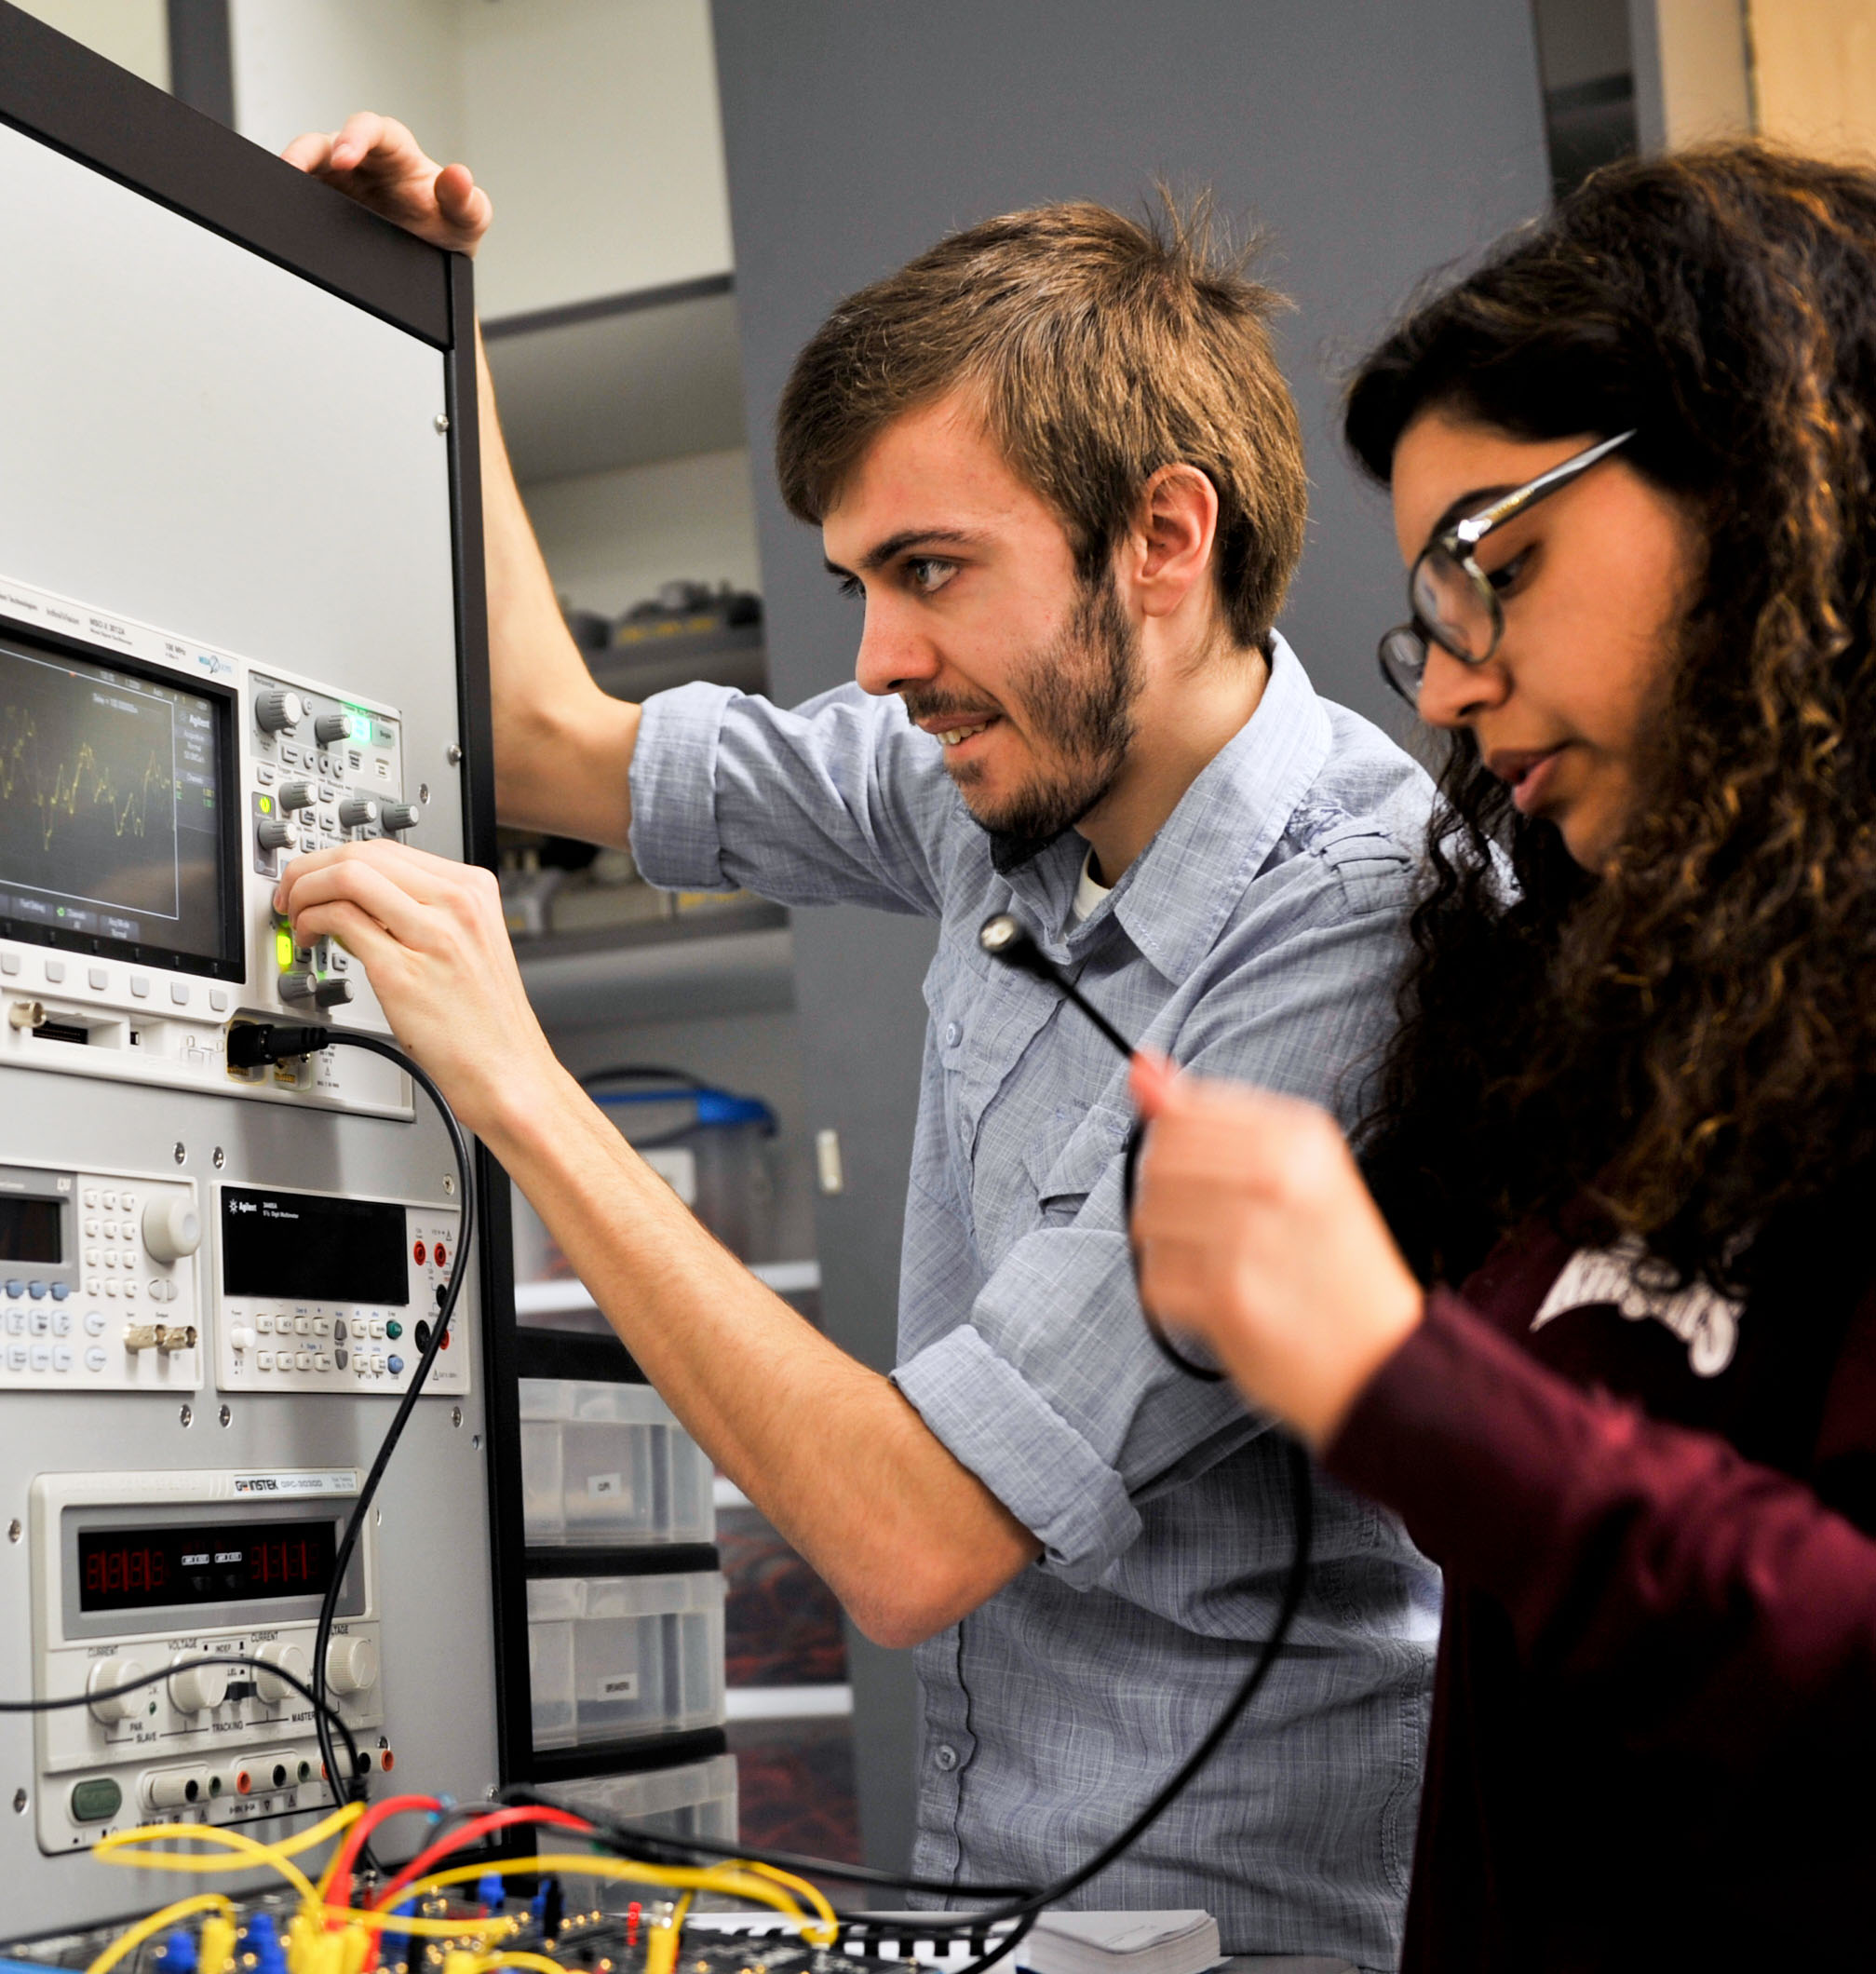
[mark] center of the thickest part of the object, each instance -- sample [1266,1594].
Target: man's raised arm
[562,747]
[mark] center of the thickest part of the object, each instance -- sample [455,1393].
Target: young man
[1056,459]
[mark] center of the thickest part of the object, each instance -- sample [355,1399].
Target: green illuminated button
[394,1329]
[96,1800]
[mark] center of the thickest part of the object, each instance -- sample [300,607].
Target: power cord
[253,1046]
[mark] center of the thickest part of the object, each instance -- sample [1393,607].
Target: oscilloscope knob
[351,1665]
[272,1689]
[329,727]
[171,1227]
[272,834]
[109,1673]
[330,993]
[278,712]
[298,985]
[297,795]
[397,817]
[356,811]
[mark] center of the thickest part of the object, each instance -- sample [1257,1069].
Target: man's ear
[1168,548]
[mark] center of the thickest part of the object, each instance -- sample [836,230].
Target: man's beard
[1079,694]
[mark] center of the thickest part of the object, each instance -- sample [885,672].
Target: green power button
[96,1800]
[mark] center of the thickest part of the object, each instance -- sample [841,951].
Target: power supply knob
[332,993]
[329,727]
[272,834]
[351,1665]
[172,1226]
[270,1687]
[109,1673]
[397,817]
[278,712]
[298,986]
[356,811]
[297,795]
[199,1688]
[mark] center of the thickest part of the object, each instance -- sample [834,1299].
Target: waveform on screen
[83,788]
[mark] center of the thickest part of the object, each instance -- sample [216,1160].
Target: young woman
[1601,1324]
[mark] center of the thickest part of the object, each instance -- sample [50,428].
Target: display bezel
[231,965]
[195,1619]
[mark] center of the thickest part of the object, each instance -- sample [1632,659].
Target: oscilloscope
[150,788]
[239,621]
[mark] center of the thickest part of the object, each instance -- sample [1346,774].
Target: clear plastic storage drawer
[613,1657]
[698,1799]
[608,1464]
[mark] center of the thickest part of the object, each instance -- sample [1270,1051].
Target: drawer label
[621,1687]
[600,1485]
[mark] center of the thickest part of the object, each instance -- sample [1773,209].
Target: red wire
[341,1893]
[476,1827]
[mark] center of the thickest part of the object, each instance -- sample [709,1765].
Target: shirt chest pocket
[1070,1159]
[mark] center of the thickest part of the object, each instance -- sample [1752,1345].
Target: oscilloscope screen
[115,811]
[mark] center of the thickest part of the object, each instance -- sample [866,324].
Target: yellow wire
[390,1922]
[538,1962]
[731,1879]
[661,1949]
[134,1936]
[243,1846]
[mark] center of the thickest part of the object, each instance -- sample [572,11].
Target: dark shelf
[591,1358]
[626,1758]
[647,1559]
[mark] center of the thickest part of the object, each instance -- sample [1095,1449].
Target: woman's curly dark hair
[1685,1043]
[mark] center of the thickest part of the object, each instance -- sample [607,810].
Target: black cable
[250,1046]
[302,1687]
[1010,943]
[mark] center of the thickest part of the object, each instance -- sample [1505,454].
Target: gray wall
[1372,141]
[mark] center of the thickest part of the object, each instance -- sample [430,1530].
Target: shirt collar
[1177,894]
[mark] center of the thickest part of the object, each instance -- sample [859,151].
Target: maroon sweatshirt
[1653,1736]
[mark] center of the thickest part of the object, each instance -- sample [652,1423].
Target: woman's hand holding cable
[430,936]
[1255,1232]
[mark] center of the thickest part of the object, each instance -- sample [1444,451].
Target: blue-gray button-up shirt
[1256,938]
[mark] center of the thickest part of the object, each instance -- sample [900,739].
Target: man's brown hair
[1101,349]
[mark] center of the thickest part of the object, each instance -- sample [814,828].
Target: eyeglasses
[1455,603]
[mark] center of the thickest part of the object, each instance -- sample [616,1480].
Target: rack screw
[441,421]
[181,1153]
[20,1801]
[220,1157]
[453,754]
[456,1416]
[14,1532]
[187,1416]
[225,1415]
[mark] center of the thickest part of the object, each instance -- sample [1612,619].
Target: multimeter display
[138,1569]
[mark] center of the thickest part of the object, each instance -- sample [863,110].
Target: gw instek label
[342,1482]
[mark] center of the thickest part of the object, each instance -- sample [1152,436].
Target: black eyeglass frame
[1403,651]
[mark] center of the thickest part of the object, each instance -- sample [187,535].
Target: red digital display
[131,1569]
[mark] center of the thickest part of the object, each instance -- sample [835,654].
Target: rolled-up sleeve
[839,801]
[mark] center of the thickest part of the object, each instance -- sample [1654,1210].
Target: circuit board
[581,1940]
